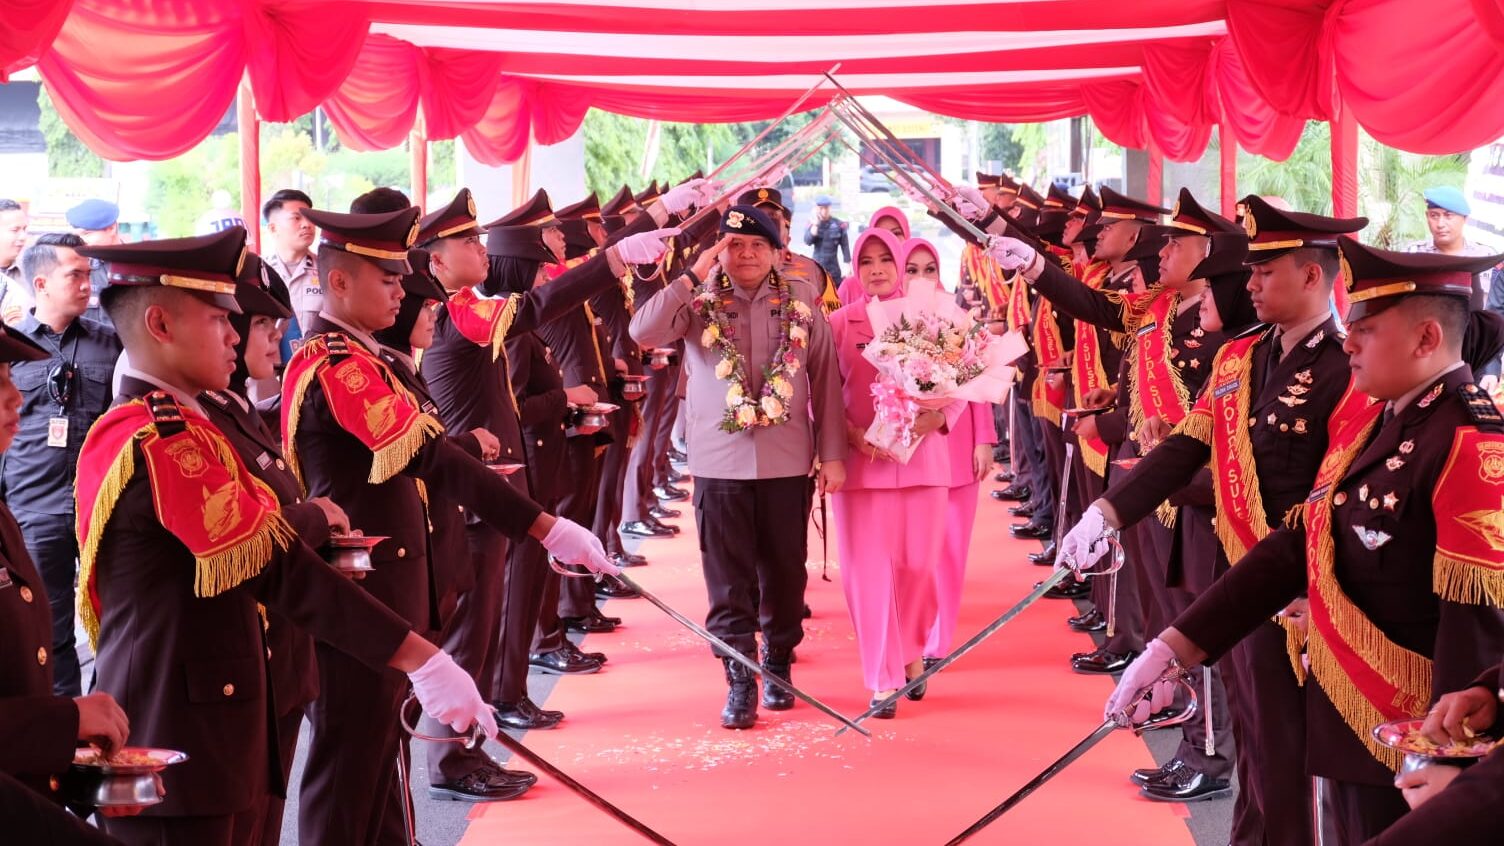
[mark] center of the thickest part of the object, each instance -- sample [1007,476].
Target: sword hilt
[1177,674]
[1107,564]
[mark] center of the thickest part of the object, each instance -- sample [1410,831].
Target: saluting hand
[339,521]
[707,260]
[102,722]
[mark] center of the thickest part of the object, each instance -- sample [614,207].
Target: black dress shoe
[643,529]
[592,624]
[1045,558]
[1031,531]
[1003,477]
[775,662]
[1013,492]
[563,662]
[1091,621]
[660,525]
[1162,719]
[525,716]
[887,713]
[917,693]
[807,612]
[669,493]
[1103,662]
[487,784]
[634,559]
[609,589]
[741,697]
[677,476]
[1068,589]
[622,561]
[1026,509]
[661,513]
[1150,775]
[677,456]
[1186,785]
[930,662]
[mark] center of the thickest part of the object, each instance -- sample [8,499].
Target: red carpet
[645,732]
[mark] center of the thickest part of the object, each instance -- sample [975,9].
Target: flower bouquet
[929,352]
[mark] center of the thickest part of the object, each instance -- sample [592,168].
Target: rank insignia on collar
[1292,401]
[1315,339]
[1391,501]
[1394,462]
[1372,539]
[1430,397]
[1407,447]
[1304,377]
[1300,425]
[1363,492]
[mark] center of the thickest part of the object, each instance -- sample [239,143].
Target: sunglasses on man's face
[60,383]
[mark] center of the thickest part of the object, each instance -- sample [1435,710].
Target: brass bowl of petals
[352,553]
[126,778]
[505,468]
[632,388]
[589,419]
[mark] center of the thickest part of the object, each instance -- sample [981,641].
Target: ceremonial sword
[1057,577]
[728,651]
[1121,719]
[780,119]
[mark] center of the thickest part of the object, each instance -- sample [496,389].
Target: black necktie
[1276,348]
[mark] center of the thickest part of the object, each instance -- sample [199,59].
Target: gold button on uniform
[1339,498]
[42,655]
[401,552]
[53,784]
[281,465]
[229,690]
[1252,421]
[25,594]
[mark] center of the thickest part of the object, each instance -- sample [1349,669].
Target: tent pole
[1228,147]
[1155,176]
[250,164]
[522,175]
[1344,178]
[417,146]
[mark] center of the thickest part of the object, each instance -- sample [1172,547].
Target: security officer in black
[829,238]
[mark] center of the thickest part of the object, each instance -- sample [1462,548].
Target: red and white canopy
[151,78]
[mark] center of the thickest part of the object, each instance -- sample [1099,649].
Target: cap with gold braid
[1029,198]
[987,180]
[1088,203]
[1057,198]
[1117,206]
[586,209]
[649,194]
[1377,279]
[1189,217]
[383,239]
[764,198]
[455,220]
[535,212]
[1274,232]
[1007,184]
[204,265]
[619,204]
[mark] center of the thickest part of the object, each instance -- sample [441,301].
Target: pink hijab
[851,292]
[894,212]
[912,244]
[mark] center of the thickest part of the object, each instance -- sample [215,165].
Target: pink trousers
[950,569]
[889,541]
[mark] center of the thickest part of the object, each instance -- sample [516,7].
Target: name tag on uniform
[1317,494]
[1224,390]
[263,460]
[1147,328]
[57,431]
[4,578]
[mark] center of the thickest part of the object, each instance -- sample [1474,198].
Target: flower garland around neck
[771,406]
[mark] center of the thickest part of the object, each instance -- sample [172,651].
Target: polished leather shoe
[917,693]
[1013,492]
[634,559]
[887,713]
[669,493]
[525,716]
[621,560]
[661,513]
[775,662]
[741,697]
[807,612]
[677,476]
[1162,719]
[1186,785]
[1004,476]
[1150,775]
[1091,621]
[1103,662]
[1044,558]
[1068,589]
[930,662]
[1026,509]
[609,589]
[564,662]
[644,529]
[487,784]
[660,525]
[1031,531]
[676,455]
[596,623]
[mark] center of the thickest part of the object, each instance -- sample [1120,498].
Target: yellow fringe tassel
[1095,462]
[1356,710]
[1166,514]
[504,325]
[295,414]
[390,460]
[215,574]
[1196,425]
[120,474]
[1295,647]
[1295,517]
[1466,582]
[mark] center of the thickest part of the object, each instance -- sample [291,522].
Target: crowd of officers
[1309,507]
[1311,518]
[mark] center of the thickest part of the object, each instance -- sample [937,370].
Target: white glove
[910,191]
[644,247]
[1141,675]
[683,197]
[1082,546]
[1011,254]
[710,192]
[970,203]
[448,694]
[572,543]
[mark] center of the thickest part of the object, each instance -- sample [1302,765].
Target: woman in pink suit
[890,517]
[896,222]
[968,444]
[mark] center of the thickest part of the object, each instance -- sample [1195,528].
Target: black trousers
[521,606]
[608,499]
[172,831]
[657,412]
[753,548]
[1270,709]
[1362,811]
[53,543]
[582,474]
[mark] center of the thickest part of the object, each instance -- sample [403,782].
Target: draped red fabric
[1281,45]
[456,89]
[300,54]
[375,107]
[1421,76]
[558,111]
[1491,17]
[1003,104]
[1246,116]
[503,131]
[1117,108]
[30,26]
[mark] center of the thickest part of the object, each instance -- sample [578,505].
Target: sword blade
[584,792]
[726,650]
[1058,576]
[781,118]
[1037,781]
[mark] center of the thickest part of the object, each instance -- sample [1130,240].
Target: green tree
[615,144]
[998,142]
[1304,179]
[66,155]
[180,189]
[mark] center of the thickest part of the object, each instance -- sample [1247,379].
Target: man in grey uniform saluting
[764,407]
